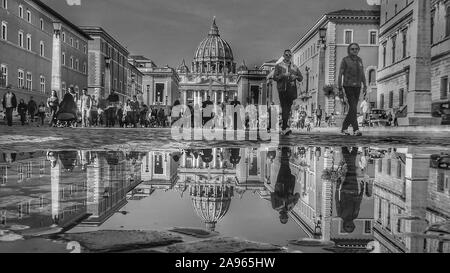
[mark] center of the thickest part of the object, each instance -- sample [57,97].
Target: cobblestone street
[32,138]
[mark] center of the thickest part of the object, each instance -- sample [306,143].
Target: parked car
[441,109]
[378,117]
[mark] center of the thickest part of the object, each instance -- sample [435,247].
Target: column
[183,160]
[215,97]
[56,62]
[419,93]
[55,178]
[416,196]
[185,97]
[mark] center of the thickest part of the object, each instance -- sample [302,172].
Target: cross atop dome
[214,29]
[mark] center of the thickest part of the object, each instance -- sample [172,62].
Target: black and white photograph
[262,128]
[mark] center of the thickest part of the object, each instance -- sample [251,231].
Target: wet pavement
[124,190]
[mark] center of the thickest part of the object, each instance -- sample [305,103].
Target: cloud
[73,2]
[373,2]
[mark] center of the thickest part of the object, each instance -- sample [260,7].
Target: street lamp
[107,61]
[323,35]
[57,26]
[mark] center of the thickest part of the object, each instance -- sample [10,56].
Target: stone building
[400,191]
[404,74]
[160,84]
[440,54]
[319,52]
[108,64]
[41,51]
[135,78]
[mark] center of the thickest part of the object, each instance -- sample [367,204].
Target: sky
[168,31]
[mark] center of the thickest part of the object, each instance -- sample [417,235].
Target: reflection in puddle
[347,198]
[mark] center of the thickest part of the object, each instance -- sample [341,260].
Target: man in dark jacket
[9,103]
[286,75]
[283,198]
[32,108]
[110,112]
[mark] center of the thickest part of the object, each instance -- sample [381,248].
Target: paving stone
[194,232]
[224,245]
[121,240]
[37,245]
[36,232]
[89,138]
[7,236]
[312,243]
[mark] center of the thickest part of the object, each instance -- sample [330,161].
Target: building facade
[134,81]
[31,45]
[160,84]
[319,58]
[108,65]
[404,74]
[440,53]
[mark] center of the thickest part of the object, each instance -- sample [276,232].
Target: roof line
[62,18]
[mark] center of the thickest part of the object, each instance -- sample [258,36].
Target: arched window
[372,77]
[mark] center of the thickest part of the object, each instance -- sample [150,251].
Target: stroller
[67,113]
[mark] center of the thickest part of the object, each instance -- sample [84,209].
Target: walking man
[113,101]
[86,105]
[286,75]
[134,104]
[365,110]
[319,117]
[32,109]
[9,103]
[351,76]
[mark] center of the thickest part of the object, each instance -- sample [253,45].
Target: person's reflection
[235,157]
[68,159]
[53,158]
[349,192]
[9,157]
[207,156]
[283,198]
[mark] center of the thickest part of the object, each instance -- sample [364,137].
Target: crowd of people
[83,110]
[88,111]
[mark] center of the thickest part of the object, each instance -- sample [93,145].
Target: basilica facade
[212,72]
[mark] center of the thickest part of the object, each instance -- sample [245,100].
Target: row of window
[23,41]
[72,44]
[444,94]
[396,10]
[447,23]
[389,167]
[401,99]
[348,39]
[73,63]
[24,79]
[111,52]
[393,42]
[21,14]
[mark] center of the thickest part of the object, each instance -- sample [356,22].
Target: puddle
[316,199]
